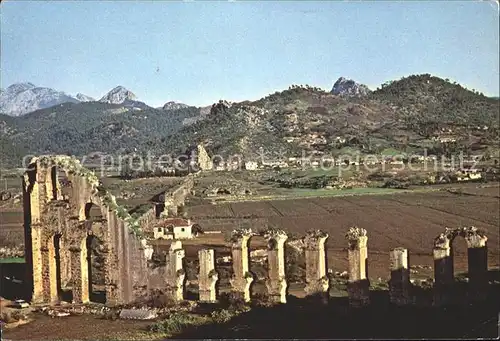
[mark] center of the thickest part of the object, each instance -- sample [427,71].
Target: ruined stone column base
[277,290]
[359,293]
[319,289]
[400,299]
[443,294]
[207,296]
[175,291]
[242,286]
[399,293]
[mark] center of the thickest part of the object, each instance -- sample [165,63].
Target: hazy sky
[199,52]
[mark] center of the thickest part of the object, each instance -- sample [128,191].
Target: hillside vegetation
[402,115]
[82,128]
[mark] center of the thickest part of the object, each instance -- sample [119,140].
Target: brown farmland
[410,220]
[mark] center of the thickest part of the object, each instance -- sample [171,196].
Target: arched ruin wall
[125,261]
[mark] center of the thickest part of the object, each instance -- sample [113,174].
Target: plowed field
[410,220]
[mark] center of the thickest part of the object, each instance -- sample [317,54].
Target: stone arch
[57,257]
[49,269]
[477,263]
[95,269]
[63,267]
[93,212]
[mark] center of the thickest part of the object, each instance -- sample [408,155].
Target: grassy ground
[298,193]
[12,260]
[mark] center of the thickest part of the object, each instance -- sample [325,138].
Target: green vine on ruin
[73,166]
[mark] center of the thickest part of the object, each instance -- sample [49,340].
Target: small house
[176,228]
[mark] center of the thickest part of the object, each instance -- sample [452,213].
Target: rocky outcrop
[349,88]
[174,106]
[84,98]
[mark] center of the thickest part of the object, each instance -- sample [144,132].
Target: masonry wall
[47,215]
[148,219]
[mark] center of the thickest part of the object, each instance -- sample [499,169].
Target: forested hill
[81,128]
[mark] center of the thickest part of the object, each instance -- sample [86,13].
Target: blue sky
[199,52]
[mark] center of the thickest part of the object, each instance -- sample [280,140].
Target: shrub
[111,315]
[222,316]
[7,317]
[398,184]
[176,323]
[233,301]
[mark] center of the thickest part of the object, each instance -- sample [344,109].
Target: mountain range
[22,98]
[406,114]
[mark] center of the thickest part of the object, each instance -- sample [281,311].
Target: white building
[176,228]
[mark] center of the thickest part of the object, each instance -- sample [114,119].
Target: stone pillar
[49,271]
[49,185]
[36,260]
[242,277]
[477,254]
[276,279]
[64,262]
[113,295]
[52,186]
[58,185]
[399,284]
[175,272]
[80,272]
[208,276]
[358,286]
[83,187]
[317,283]
[443,268]
[36,201]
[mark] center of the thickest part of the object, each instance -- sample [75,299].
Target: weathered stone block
[175,274]
[358,286]
[276,280]
[317,282]
[138,314]
[208,276]
[399,284]
[242,277]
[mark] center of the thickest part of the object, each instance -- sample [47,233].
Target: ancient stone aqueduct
[58,228]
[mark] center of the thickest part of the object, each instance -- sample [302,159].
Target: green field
[12,260]
[298,193]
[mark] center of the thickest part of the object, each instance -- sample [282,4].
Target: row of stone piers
[316,279]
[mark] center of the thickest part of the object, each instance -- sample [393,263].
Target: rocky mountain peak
[22,98]
[118,95]
[349,88]
[221,107]
[19,87]
[174,105]
[84,98]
